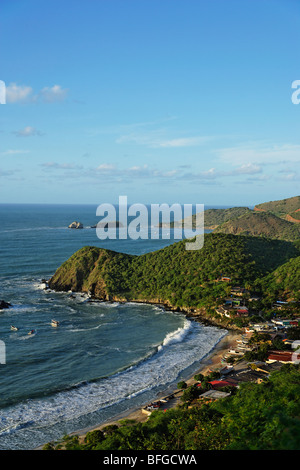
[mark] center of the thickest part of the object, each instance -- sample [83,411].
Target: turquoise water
[103,358]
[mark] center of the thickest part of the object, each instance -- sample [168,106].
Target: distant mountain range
[261,224]
[276,220]
[288,209]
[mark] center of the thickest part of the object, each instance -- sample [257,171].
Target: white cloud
[27,132]
[150,139]
[290,177]
[17,93]
[213,174]
[120,129]
[61,166]
[144,171]
[105,167]
[207,175]
[157,139]
[53,94]
[25,94]
[14,152]
[258,153]
[107,172]
[246,169]
[184,142]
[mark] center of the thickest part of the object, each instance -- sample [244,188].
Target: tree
[198,377]
[191,393]
[94,437]
[182,384]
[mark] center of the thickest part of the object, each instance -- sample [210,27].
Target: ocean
[103,359]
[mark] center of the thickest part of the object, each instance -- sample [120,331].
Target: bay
[103,358]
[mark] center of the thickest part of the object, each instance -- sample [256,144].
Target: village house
[286,323]
[239,291]
[212,395]
[283,356]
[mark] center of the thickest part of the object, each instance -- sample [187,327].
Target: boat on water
[31,332]
[54,323]
[14,328]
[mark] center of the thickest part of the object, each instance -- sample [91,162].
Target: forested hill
[261,224]
[213,217]
[282,208]
[284,281]
[173,275]
[275,219]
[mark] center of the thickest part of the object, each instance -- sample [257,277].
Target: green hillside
[283,282]
[282,207]
[173,275]
[213,217]
[294,216]
[261,224]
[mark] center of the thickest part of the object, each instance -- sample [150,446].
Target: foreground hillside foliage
[284,282]
[173,275]
[262,416]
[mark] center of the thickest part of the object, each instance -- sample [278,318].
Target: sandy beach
[211,362]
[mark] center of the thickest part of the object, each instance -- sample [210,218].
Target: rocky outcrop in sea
[76,225]
[4,304]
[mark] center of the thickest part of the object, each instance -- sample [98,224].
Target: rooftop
[214,395]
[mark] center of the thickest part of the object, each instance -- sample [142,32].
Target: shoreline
[192,313]
[210,362]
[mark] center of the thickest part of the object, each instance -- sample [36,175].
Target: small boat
[234,351]
[226,370]
[54,323]
[31,332]
[14,328]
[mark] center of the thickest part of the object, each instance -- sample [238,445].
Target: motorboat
[31,332]
[14,328]
[54,323]
[234,351]
[226,370]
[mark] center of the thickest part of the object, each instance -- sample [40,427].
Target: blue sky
[162,101]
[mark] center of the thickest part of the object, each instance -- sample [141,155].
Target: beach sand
[209,363]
